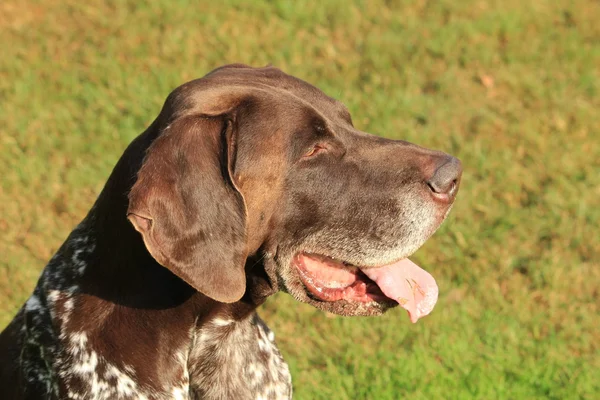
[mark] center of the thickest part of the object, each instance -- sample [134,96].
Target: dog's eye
[317,148]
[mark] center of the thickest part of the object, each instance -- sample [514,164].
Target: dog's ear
[187,208]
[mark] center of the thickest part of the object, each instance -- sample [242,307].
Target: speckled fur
[248,350]
[224,358]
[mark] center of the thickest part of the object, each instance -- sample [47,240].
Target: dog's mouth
[402,282]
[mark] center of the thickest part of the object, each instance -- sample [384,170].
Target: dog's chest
[237,360]
[225,359]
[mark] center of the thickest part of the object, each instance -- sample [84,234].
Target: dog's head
[254,174]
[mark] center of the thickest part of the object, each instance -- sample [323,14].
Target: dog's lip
[402,281]
[442,197]
[345,282]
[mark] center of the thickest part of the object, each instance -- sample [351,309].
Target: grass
[510,87]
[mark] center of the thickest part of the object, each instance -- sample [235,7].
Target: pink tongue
[408,284]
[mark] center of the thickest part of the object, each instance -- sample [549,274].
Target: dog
[248,182]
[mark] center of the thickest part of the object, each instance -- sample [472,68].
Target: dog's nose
[446,177]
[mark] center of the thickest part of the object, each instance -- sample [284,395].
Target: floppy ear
[185,205]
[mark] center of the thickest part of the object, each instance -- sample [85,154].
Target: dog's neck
[122,271]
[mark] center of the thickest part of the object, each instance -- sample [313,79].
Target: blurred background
[510,87]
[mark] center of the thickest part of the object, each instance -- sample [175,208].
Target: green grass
[510,87]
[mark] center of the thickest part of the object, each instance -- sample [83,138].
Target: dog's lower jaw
[343,307]
[292,285]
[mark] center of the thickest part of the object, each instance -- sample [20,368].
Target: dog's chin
[343,307]
[348,308]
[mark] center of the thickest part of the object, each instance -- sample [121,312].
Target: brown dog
[248,182]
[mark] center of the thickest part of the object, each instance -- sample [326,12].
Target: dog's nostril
[445,178]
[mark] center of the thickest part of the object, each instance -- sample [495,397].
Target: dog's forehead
[265,78]
[268,83]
